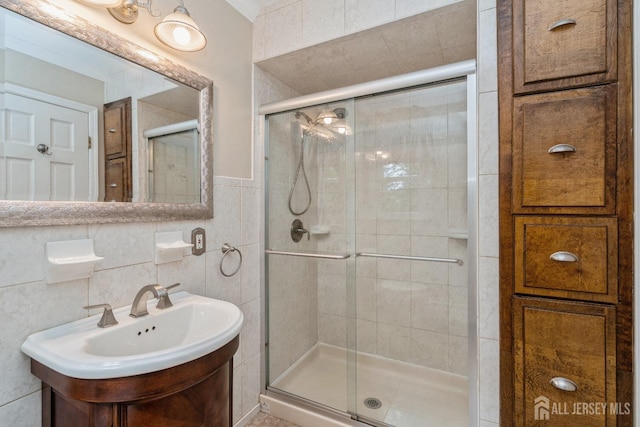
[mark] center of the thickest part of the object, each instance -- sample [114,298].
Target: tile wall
[149,117]
[288,25]
[411,166]
[488,315]
[293,294]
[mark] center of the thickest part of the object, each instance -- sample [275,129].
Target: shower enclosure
[173,163]
[370,305]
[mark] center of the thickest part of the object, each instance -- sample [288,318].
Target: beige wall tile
[322,21]
[361,14]
[283,29]
[489,356]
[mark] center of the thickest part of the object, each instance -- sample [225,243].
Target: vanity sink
[193,327]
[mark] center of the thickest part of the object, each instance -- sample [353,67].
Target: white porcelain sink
[193,327]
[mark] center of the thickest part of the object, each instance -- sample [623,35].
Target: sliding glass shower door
[411,248]
[367,280]
[309,253]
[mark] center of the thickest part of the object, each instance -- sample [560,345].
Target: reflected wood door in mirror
[117,151]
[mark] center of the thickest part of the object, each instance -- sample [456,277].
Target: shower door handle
[412,258]
[322,255]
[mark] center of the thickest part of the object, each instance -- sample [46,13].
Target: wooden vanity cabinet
[194,394]
[566,211]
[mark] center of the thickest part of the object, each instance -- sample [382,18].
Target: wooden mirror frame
[37,213]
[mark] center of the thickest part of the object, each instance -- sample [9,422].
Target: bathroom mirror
[118,87]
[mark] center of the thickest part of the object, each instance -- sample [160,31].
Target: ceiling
[434,38]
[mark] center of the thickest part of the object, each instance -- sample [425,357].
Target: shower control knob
[298,230]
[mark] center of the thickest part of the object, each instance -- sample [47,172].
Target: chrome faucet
[139,306]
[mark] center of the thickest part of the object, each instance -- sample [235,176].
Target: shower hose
[295,181]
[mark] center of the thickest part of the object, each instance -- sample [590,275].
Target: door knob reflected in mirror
[43,149]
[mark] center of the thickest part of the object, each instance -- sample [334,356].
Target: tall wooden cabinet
[566,230]
[117,151]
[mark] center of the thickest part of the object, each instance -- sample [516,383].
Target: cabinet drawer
[564,257]
[117,128]
[563,39]
[572,341]
[564,152]
[116,181]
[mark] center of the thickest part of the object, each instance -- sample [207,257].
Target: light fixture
[177,30]
[180,32]
[327,117]
[126,11]
[340,123]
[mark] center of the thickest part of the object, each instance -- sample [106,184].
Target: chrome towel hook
[226,250]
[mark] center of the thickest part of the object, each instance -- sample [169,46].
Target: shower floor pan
[409,395]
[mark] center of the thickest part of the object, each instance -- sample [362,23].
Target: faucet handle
[163,299]
[175,285]
[107,319]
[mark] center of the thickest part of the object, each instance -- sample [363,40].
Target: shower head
[307,118]
[327,125]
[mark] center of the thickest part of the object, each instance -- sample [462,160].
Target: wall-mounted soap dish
[458,234]
[170,247]
[70,260]
[320,229]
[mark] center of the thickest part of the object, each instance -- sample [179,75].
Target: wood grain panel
[593,277]
[570,340]
[117,181]
[572,182]
[571,55]
[117,128]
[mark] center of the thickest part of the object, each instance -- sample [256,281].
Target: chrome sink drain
[372,403]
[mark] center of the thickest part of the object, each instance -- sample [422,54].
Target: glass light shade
[102,3]
[180,32]
[327,117]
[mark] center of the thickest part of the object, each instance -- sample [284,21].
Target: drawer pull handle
[114,185]
[564,384]
[562,148]
[564,257]
[562,23]
[112,130]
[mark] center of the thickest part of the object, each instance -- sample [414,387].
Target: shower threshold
[409,395]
